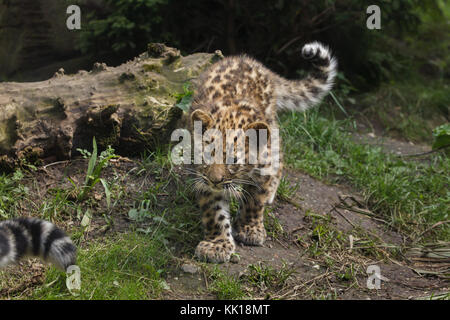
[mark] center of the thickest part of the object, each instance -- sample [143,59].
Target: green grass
[10,190]
[259,279]
[226,287]
[165,223]
[285,190]
[128,266]
[272,224]
[324,238]
[95,167]
[410,195]
[407,110]
[264,276]
[169,202]
[58,206]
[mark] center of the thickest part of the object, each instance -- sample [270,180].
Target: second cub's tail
[34,237]
[302,94]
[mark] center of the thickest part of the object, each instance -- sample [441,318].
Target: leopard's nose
[216,180]
[216,174]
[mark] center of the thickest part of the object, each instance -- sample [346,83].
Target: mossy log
[130,107]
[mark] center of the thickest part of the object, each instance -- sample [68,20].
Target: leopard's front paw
[217,251]
[254,235]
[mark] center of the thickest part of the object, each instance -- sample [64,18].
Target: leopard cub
[239,93]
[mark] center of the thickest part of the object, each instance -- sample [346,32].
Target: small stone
[97,196]
[164,285]
[189,268]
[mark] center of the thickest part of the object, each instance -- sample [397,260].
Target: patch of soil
[21,279]
[322,198]
[313,275]
[397,147]
[399,279]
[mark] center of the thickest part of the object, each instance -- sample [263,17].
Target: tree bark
[130,107]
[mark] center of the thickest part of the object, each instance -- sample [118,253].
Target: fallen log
[130,107]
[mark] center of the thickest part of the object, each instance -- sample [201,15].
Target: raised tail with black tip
[302,94]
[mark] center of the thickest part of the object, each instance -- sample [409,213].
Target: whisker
[191,171]
[236,193]
[193,180]
[246,192]
[247,182]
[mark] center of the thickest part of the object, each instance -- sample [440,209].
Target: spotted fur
[240,93]
[24,237]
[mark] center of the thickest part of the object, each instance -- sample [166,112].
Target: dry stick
[368,231]
[288,44]
[344,197]
[283,245]
[344,205]
[362,211]
[376,246]
[297,229]
[432,227]
[334,209]
[305,283]
[206,280]
[424,153]
[443,262]
[419,272]
[60,162]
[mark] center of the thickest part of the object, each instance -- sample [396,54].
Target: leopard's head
[234,143]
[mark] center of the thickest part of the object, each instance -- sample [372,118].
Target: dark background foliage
[273,31]
[397,76]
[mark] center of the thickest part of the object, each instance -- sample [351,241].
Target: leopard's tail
[34,237]
[303,94]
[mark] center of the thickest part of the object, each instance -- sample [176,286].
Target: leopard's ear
[203,116]
[259,127]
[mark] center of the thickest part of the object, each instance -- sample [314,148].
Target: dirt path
[314,273]
[321,242]
[400,148]
[313,277]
